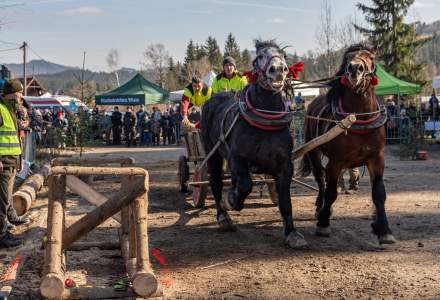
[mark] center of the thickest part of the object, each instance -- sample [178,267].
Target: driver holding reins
[197,93]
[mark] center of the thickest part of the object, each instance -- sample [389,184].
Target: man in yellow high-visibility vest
[10,157]
[230,80]
[196,93]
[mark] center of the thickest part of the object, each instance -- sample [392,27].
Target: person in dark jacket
[130,127]
[165,124]
[116,126]
[434,106]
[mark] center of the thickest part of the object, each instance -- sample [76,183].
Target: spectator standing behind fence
[177,121]
[155,131]
[130,127]
[145,130]
[36,124]
[10,161]
[140,117]
[434,106]
[61,125]
[116,126]
[165,124]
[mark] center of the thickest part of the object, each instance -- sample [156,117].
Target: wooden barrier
[128,206]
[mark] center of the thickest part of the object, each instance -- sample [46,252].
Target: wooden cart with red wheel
[197,180]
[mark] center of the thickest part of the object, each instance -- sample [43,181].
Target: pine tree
[246,60]
[200,52]
[397,43]
[190,54]
[213,53]
[232,49]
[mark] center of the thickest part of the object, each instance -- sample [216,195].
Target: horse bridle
[262,71]
[366,76]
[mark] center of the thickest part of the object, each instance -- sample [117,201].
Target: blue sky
[60,30]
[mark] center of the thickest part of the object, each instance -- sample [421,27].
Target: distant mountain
[428,29]
[38,67]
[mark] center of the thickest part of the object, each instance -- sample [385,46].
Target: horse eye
[285,69]
[361,68]
[271,69]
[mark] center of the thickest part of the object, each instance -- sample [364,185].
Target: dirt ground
[203,263]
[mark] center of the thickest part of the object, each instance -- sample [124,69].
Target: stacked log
[27,192]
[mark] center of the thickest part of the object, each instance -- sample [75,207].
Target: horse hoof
[387,239]
[322,231]
[225,223]
[295,240]
[225,204]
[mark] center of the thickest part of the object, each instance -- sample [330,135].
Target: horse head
[358,69]
[270,65]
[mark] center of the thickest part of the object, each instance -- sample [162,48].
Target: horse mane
[260,44]
[336,88]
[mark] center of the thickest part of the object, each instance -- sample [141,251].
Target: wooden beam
[75,170]
[144,282]
[27,192]
[83,161]
[52,284]
[325,138]
[102,213]
[82,189]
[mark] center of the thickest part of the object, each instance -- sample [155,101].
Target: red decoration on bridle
[294,71]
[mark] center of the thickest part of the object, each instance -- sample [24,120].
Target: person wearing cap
[194,94]
[230,80]
[10,158]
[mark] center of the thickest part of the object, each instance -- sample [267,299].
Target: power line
[11,49]
[10,43]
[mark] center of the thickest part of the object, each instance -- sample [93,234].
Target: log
[325,138]
[102,293]
[74,170]
[126,239]
[61,161]
[27,192]
[102,212]
[144,282]
[82,189]
[52,284]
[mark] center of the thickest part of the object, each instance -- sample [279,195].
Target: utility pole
[24,48]
[82,78]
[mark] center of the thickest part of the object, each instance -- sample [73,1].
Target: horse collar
[376,119]
[272,121]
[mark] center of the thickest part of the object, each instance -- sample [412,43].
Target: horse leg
[215,164]
[241,184]
[318,172]
[292,238]
[331,193]
[380,225]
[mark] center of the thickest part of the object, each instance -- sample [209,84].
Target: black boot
[9,241]
[14,219]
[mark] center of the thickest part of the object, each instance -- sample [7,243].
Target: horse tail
[305,167]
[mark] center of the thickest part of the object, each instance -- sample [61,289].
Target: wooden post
[101,213]
[82,189]
[52,284]
[27,192]
[144,281]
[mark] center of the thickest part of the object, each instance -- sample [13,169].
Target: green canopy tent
[136,91]
[390,85]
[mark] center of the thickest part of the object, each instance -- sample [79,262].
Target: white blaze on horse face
[274,67]
[360,65]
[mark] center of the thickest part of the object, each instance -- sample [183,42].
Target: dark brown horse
[351,92]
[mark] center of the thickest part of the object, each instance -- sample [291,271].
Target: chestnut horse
[351,92]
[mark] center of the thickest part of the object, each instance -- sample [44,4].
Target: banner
[120,100]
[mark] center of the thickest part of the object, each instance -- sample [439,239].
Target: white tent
[436,82]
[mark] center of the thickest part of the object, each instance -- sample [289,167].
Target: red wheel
[183,174]
[200,191]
